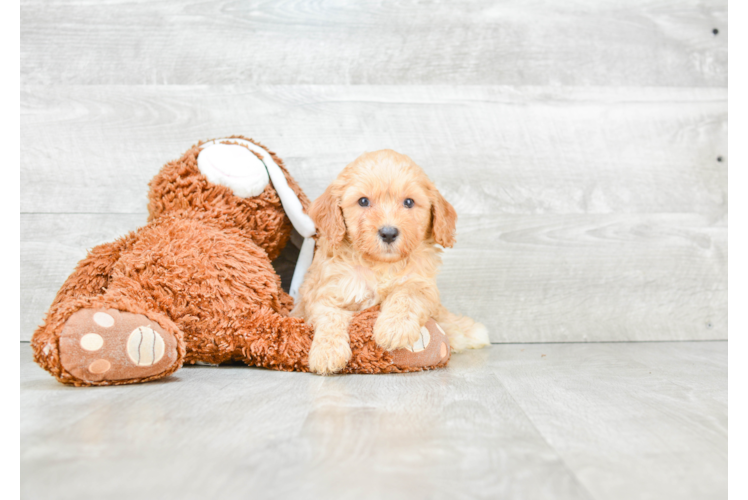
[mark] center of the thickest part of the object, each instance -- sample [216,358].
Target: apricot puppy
[379,224]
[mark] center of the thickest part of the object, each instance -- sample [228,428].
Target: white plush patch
[103,319]
[291,204]
[92,341]
[235,167]
[145,347]
[423,341]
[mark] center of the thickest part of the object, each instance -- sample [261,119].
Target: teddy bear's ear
[328,216]
[443,220]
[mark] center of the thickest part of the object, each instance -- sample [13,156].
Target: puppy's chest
[362,288]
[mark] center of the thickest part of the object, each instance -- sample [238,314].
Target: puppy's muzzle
[388,234]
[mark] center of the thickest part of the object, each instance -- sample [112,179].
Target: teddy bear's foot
[431,349]
[102,346]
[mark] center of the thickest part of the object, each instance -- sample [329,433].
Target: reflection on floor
[526,421]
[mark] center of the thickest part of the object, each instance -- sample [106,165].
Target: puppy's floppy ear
[443,220]
[328,217]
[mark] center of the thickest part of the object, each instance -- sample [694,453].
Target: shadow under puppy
[378,227]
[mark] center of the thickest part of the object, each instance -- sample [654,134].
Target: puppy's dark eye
[364,202]
[409,203]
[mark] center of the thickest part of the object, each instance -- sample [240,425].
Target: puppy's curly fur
[378,224]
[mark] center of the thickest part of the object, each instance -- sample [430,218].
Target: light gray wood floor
[527,421]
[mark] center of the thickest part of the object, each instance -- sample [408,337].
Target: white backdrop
[582,143]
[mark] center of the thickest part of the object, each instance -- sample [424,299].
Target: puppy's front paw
[391,332]
[328,356]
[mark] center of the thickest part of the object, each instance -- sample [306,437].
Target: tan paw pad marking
[92,342]
[145,347]
[439,327]
[99,366]
[443,349]
[423,341]
[103,319]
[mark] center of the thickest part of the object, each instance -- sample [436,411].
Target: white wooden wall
[583,143]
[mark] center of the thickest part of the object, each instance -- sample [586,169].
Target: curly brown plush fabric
[198,285]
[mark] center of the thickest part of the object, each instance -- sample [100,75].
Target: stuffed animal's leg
[463,332]
[90,279]
[278,342]
[92,274]
[271,340]
[116,337]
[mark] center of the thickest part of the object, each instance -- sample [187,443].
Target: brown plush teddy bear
[198,282]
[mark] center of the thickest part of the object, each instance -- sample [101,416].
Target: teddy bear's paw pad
[98,345]
[430,349]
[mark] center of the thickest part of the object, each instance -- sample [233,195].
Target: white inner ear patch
[145,347]
[423,341]
[235,167]
[103,319]
[92,342]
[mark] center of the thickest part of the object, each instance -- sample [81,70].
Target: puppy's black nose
[388,234]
